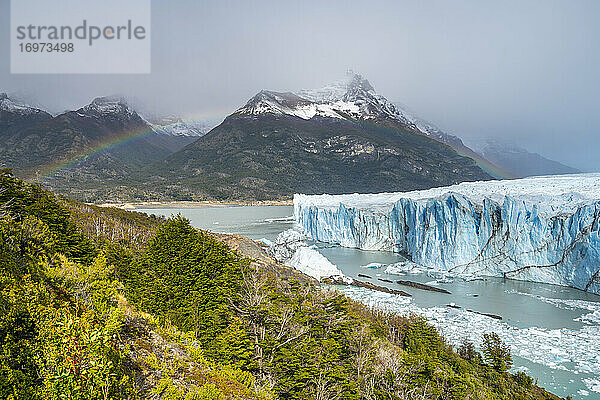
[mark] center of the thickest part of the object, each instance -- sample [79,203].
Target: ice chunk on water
[313,263]
[592,384]
[404,267]
[265,241]
[286,244]
[291,248]
[373,265]
[565,349]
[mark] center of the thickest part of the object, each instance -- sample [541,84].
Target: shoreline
[195,204]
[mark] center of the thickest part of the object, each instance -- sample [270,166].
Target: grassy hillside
[107,304]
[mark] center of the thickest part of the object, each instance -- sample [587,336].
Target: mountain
[75,136]
[518,161]
[175,133]
[15,116]
[100,144]
[342,138]
[352,98]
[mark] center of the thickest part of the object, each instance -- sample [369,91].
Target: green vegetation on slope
[169,312]
[186,276]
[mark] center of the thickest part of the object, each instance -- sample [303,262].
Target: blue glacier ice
[542,229]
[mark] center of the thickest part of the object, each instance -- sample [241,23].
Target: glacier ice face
[542,229]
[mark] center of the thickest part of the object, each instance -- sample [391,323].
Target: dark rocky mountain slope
[341,139]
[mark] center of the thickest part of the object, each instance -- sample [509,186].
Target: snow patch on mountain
[352,98]
[267,102]
[175,126]
[108,105]
[14,107]
[543,229]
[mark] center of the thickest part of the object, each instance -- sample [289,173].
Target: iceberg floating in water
[291,248]
[373,265]
[404,267]
[313,263]
[542,229]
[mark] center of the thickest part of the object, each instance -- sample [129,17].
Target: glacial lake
[553,331]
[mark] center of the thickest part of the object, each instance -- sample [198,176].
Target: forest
[101,303]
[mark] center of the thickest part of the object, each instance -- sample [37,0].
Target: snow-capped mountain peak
[352,98]
[175,126]
[107,105]
[285,103]
[352,87]
[267,101]
[180,126]
[14,107]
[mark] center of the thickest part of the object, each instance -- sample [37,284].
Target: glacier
[541,229]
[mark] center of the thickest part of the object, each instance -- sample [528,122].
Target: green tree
[233,346]
[467,351]
[421,337]
[30,205]
[496,353]
[523,379]
[188,277]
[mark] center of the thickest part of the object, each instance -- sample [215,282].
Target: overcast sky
[527,71]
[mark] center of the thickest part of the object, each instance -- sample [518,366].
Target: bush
[53,348]
[19,373]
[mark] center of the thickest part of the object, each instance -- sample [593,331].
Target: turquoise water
[255,222]
[553,331]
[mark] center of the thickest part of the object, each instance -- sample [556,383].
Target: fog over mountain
[522,71]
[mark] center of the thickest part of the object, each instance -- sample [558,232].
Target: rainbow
[113,142]
[487,167]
